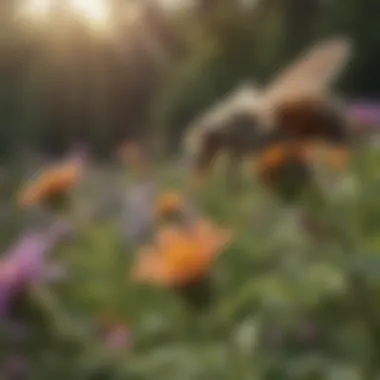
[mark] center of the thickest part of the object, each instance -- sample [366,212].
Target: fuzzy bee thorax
[311,119]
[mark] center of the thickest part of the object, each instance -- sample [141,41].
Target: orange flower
[168,203]
[285,168]
[55,181]
[181,255]
[275,156]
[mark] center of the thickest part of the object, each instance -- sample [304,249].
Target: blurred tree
[92,87]
[358,19]
[300,21]
[72,84]
[228,43]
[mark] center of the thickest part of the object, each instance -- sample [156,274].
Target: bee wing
[211,123]
[311,74]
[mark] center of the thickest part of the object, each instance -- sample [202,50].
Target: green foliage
[355,19]
[287,305]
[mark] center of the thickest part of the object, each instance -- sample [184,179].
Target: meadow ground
[286,304]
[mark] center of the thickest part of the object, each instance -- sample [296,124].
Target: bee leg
[206,159]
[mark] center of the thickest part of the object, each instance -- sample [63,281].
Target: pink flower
[118,337]
[25,263]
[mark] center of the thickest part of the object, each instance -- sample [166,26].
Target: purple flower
[117,337]
[367,113]
[139,211]
[25,263]
[15,367]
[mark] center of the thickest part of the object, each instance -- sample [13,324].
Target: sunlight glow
[36,8]
[94,11]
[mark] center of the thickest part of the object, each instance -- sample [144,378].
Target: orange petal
[168,202]
[182,254]
[167,236]
[188,267]
[187,259]
[272,157]
[212,235]
[338,158]
[149,268]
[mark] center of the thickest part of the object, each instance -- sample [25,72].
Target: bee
[296,109]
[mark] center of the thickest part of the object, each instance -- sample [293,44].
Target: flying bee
[297,107]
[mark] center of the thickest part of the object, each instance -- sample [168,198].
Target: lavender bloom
[15,367]
[25,263]
[366,113]
[117,338]
[138,218]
